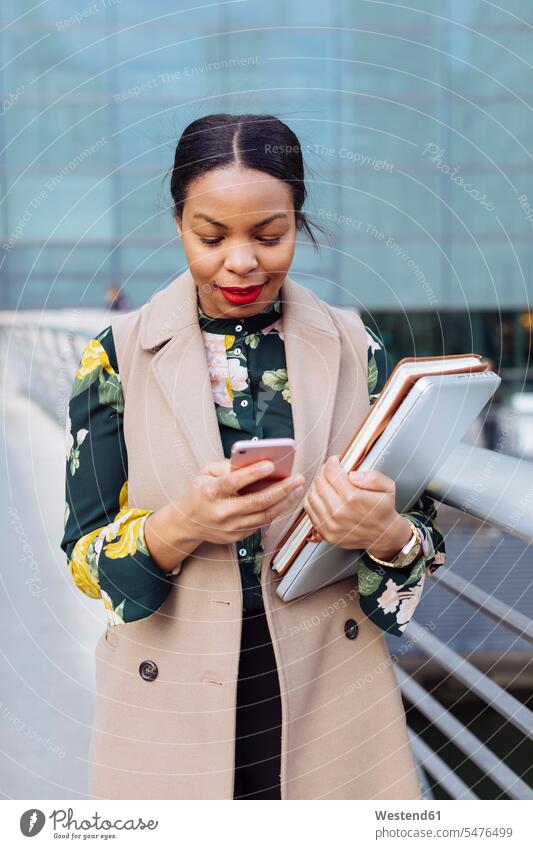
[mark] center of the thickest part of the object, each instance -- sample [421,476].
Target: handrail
[41,359]
[490,486]
[493,607]
[494,695]
[451,727]
[431,762]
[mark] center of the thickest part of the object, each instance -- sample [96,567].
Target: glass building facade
[416,125]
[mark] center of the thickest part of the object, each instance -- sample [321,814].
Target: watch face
[412,555]
[410,551]
[410,544]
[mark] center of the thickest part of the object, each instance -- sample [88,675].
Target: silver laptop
[430,422]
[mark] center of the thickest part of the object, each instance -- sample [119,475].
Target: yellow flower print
[228,341]
[93,364]
[128,527]
[108,604]
[115,615]
[94,356]
[80,568]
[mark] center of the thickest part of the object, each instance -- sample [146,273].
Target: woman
[208,685]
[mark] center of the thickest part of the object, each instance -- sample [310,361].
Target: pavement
[48,628]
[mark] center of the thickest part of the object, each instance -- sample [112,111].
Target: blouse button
[242,552]
[255,438]
[237,351]
[238,327]
[244,403]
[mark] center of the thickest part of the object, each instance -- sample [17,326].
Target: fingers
[327,500]
[265,499]
[216,468]
[332,484]
[316,513]
[372,479]
[322,490]
[266,516]
[231,482]
[337,477]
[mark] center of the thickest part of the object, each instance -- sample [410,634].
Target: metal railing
[487,485]
[498,490]
[39,358]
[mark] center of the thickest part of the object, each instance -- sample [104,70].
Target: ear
[178,226]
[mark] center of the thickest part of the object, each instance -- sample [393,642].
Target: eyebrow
[225,227]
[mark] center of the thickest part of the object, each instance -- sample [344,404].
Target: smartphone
[279,451]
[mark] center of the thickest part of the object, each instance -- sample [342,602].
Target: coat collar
[312,348]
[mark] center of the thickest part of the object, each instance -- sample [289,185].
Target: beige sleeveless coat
[344,732]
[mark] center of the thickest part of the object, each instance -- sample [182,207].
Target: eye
[275,241]
[210,241]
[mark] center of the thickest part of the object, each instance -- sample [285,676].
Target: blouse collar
[250,324]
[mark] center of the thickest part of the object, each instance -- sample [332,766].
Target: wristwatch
[410,551]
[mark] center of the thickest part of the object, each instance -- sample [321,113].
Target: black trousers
[258,731]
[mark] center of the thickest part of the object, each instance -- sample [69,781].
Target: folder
[448,391]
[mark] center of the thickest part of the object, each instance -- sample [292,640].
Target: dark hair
[262,142]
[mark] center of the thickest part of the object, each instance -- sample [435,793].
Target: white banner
[303,824]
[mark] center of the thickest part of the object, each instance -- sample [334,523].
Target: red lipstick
[241,294]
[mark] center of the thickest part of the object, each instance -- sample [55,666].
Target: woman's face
[238,230]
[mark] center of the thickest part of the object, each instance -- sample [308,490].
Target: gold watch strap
[393,564]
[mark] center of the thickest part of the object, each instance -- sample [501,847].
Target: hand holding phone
[212,509]
[280,452]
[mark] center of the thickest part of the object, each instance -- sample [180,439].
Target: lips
[241,294]
[243,289]
[240,289]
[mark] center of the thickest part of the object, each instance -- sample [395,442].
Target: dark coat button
[351,629]
[148,670]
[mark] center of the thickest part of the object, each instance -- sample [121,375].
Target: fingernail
[297,493]
[298,479]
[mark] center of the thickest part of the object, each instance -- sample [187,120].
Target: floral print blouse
[103,538]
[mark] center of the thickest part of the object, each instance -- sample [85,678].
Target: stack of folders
[424,410]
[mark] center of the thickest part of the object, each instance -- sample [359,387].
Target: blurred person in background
[117,300]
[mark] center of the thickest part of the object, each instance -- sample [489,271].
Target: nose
[240,258]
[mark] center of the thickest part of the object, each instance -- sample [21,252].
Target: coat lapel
[312,350]
[180,367]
